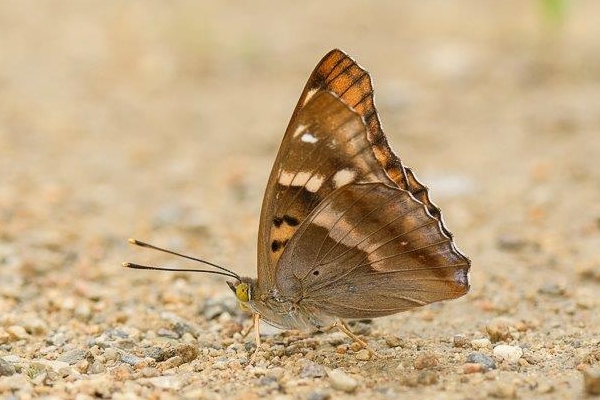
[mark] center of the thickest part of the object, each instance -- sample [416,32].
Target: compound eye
[241,292]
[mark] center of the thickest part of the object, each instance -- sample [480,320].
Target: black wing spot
[291,221]
[277,221]
[277,245]
[316,273]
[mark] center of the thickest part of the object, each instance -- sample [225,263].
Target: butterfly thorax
[277,310]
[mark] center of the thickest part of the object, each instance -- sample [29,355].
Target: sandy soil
[160,120]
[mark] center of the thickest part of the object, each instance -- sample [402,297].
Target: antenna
[223,271]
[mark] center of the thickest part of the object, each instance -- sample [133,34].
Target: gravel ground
[160,120]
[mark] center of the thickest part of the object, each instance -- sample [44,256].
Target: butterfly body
[288,312]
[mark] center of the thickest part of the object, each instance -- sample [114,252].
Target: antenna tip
[132,241]
[125,265]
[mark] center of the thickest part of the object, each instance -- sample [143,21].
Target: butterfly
[346,230]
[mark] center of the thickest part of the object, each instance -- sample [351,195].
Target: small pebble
[150,372]
[74,356]
[426,360]
[546,388]
[6,368]
[312,370]
[4,336]
[131,359]
[157,353]
[12,358]
[502,390]
[187,352]
[188,337]
[591,380]
[342,381]
[508,353]
[498,330]
[34,325]
[363,355]
[83,311]
[318,395]
[111,354]
[481,343]
[17,332]
[172,362]
[220,365]
[167,382]
[472,368]
[121,373]
[276,372]
[268,381]
[394,341]
[96,368]
[478,358]
[460,341]
[417,378]
[54,365]
[355,346]
[167,333]
[58,339]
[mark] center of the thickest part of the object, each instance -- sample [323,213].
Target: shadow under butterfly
[346,230]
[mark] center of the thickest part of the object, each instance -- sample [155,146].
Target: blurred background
[161,120]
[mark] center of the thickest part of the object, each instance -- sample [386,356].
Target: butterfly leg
[256,325]
[247,330]
[342,326]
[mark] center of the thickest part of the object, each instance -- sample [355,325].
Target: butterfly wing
[370,250]
[325,148]
[328,144]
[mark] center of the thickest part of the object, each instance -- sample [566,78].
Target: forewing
[339,73]
[370,250]
[325,147]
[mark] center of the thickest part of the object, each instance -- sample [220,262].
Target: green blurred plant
[555,11]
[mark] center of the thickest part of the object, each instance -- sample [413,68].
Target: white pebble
[508,353]
[342,381]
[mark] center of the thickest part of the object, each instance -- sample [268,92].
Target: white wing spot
[285,178]
[312,183]
[309,94]
[343,177]
[309,138]
[299,129]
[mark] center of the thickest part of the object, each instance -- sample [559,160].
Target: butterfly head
[243,289]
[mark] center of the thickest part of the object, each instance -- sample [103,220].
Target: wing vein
[356,226]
